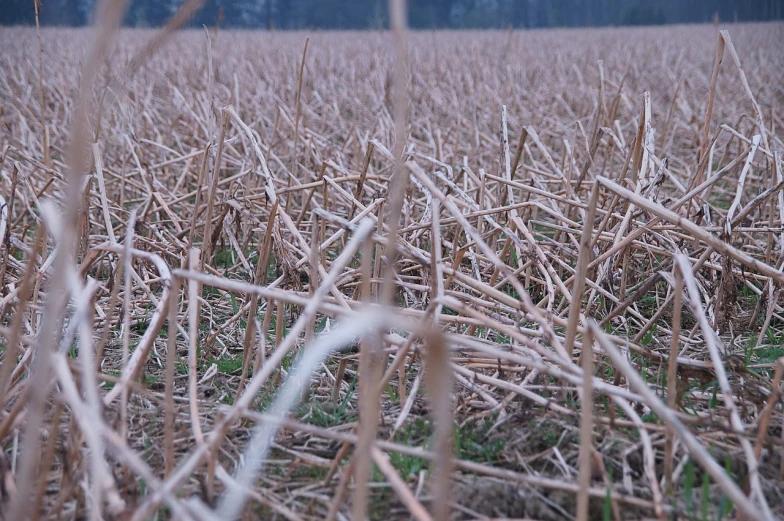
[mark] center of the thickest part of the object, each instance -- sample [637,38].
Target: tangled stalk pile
[366,275]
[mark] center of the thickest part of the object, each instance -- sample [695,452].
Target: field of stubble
[204,317]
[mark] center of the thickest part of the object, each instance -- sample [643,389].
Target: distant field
[603,200]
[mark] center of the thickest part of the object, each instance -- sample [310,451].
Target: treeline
[423,14]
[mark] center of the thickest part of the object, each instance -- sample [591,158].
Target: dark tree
[16,12]
[422,14]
